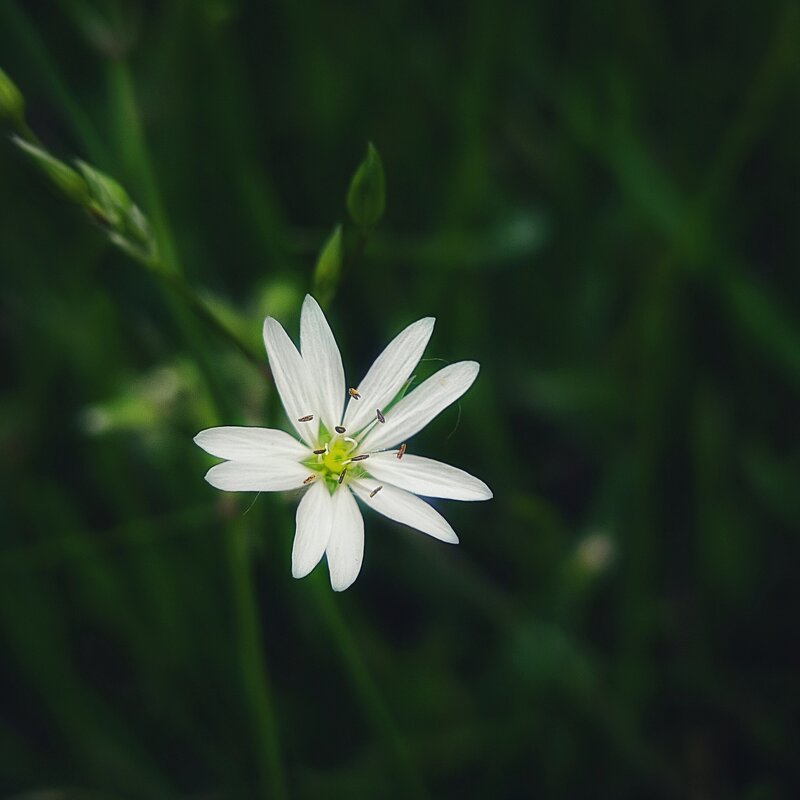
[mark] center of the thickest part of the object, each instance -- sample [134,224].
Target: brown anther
[362,457]
[381,418]
[309,479]
[354,394]
[339,429]
[402,451]
[319,452]
[375,491]
[341,476]
[306,418]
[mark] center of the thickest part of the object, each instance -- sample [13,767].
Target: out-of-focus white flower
[345,452]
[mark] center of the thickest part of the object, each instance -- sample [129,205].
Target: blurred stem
[20,26]
[256,681]
[365,688]
[253,663]
[177,284]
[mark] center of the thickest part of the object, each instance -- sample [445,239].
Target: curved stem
[253,662]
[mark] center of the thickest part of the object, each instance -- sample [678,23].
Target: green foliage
[596,207]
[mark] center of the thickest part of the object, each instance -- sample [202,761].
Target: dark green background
[598,202]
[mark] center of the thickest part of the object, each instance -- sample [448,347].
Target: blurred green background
[599,203]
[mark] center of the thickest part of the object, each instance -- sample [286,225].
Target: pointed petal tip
[298,572]
[211,477]
[340,587]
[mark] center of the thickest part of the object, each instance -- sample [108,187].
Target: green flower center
[335,465]
[339,451]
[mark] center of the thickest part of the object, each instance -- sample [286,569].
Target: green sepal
[366,198]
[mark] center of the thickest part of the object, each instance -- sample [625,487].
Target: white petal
[246,476]
[314,516]
[324,361]
[250,444]
[402,506]
[426,477]
[345,549]
[418,408]
[386,376]
[291,379]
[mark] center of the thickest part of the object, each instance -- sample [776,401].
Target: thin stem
[366,689]
[255,673]
[254,668]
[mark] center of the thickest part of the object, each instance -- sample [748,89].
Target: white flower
[349,452]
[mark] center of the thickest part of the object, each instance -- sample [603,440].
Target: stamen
[306,418]
[362,457]
[375,491]
[339,429]
[320,452]
[381,418]
[309,479]
[354,394]
[402,451]
[341,476]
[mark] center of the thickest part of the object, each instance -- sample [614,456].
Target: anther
[309,479]
[375,491]
[319,452]
[341,476]
[354,394]
[339,429]
[362,457]
[402,451]
[381,418]
[306,418]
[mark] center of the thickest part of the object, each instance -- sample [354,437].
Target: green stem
[254,668]
[255,674]
[366,689]
[21,27]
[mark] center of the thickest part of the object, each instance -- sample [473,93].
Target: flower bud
[63,177]
[12,103]
[366,198]
[126,226]
[329,266]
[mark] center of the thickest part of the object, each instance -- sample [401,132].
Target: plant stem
[366,690]
[254,669]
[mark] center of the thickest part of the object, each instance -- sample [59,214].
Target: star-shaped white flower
[346,452]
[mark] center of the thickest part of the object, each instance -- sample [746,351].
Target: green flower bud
[329,267]
[127,227]
[63,177]
[110,202]
[366,198]
[12,103]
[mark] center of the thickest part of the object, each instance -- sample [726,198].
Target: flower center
[339,451]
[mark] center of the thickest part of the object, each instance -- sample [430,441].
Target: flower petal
[250,444]
[419,407]
[402,506]
[426,477]
[291,379]
[324,361]
[246,476]
[345,549]
[314,516]
[385,378]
